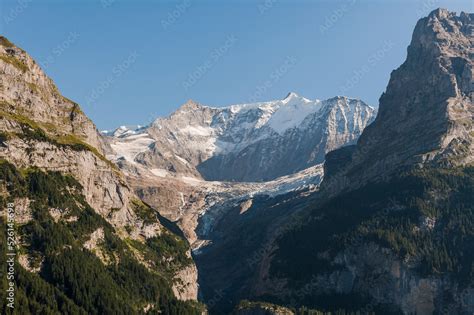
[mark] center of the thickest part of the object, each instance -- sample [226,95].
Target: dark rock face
[229,267]
[426,114]
[333,253]
[337,158]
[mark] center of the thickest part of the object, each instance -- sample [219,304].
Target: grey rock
[426,114]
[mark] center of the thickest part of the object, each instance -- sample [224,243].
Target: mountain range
[292,206]
[390,229]
[243,143]
[86,244]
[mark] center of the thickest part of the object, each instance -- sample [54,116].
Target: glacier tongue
[130,146]
[201,161]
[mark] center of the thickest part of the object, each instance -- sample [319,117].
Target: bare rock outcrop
[243,143]
[426,114]
[42,129]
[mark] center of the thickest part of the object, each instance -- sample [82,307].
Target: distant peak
[440,13]
[338,97]
[343,98]
[291,95]
[444,14]
[190,105]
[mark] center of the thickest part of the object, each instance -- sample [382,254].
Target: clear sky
[127,62]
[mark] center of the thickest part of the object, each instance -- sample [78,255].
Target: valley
[166,161]
[289,206]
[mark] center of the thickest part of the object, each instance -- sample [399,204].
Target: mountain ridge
[77,217]
[218,143]
[435,95]
[390,230]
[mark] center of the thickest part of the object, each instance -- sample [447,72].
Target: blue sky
[127,62]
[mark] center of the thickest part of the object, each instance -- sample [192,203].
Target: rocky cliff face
[379,248]
[42,129]
[381,236]
[197,205]
[426,114]
[245,143]
[197,165]
[27,91]
[47,130]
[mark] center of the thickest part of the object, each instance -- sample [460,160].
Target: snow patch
[159,172]
[182,160]
[197,131]
[292,114]
[129,147]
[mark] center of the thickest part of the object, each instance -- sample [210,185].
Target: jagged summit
[246,142]
[190,105]
[292,98]
[45,134]
[28,91]
[443,13]
[426,114]
[291,94]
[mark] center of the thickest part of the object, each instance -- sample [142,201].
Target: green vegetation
[4,137]
[426,215]
[21,119]
[144,212]
[33,87]
[73,280]
[33,131]
[5,42]
[170,246]
[166,252]
[269,308]
[20,65]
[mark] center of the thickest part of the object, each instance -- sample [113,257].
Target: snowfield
[231,129]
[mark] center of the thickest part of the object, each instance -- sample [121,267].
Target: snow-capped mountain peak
[245,142]
[123,131]
[294,97]
[189,105]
